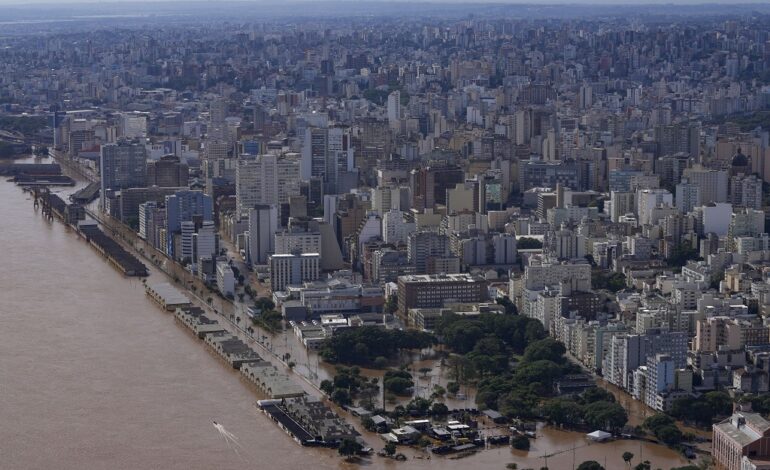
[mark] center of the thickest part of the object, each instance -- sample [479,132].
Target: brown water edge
[94,375]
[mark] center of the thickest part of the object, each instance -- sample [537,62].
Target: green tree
[656,421]
[643,465]
[541,372]
[439,409]
[616,282]
[419,406]
[438,391]
[605,415]
[669,435]
[703,410]
[596,394]
[391,305]
[489,356]
[563,411]
[590,465]
[510,308]
[398,382]
[627,457]
[348,448]
[362,345]
[341,397]
[527,243]
[264,303]
[545,349]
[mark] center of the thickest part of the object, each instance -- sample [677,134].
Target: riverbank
[94,377]
[557,445]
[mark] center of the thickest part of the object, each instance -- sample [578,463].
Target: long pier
[52,206]
[124,261]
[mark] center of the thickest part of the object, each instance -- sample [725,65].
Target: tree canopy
[605,415]
[590,465]
[349,448]
[365,344]
[527,243]
[702,410]
[398,382]
[461,333]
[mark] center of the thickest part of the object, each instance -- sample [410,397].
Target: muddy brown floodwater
[94,375]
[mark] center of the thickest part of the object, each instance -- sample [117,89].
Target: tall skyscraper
[217,127]
[265,179]
[263,223]
[327,153]
[394,108]
[712,184]
[122,165]
[586,98]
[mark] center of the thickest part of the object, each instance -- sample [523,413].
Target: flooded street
[94,375]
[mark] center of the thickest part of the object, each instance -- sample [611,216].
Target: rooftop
[457,277]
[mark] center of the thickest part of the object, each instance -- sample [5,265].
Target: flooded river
[94,375]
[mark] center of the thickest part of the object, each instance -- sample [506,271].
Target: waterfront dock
[272,409]
[195,319]
[30,169]
[271,381]
[43,180]
[309,421]
[167,296]
[228,346]
[124,261]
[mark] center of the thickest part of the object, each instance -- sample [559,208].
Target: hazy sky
[35,5]
[531,2]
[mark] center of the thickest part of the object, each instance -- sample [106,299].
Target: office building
[169,171]
[122,165]
[265,180]
[327,154]
[293,269]
[263,224]
[430,291]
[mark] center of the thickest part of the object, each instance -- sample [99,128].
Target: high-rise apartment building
[423,246]
[265,179]
[263,224]
[430,184]
[293,269]
[713,184]
[122,165]
[394,108]
[327,153]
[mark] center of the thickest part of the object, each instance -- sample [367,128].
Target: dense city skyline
[465,234]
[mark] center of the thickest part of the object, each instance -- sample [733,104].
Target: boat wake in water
[230,438]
